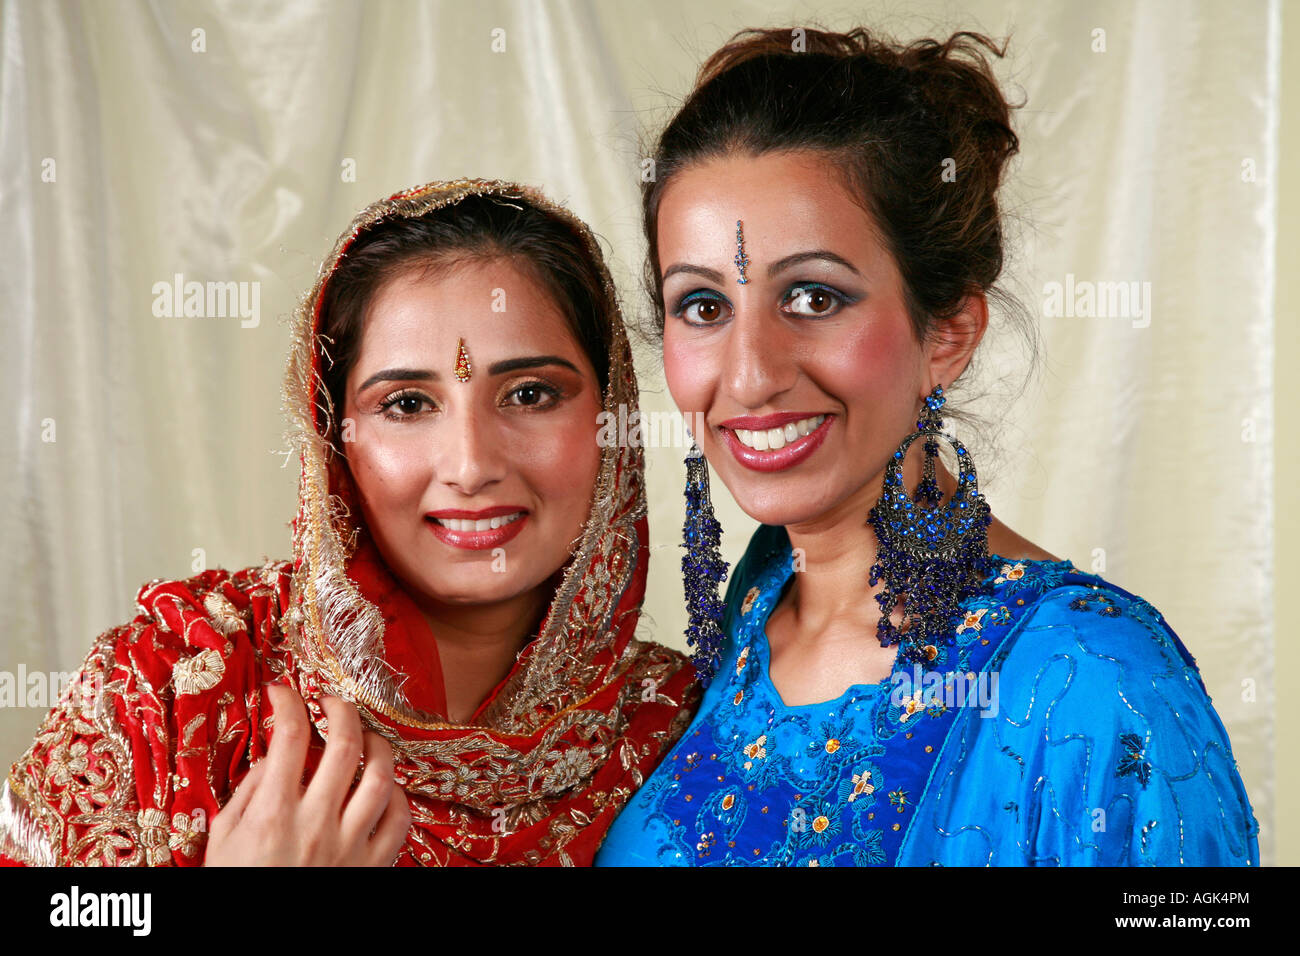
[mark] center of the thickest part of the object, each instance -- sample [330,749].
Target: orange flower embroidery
[862,785]
[756,751]
[910,706]
[1010,572]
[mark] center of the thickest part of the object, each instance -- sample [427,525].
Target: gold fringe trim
[21,837]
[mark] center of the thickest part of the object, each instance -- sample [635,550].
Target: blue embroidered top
[1067,726]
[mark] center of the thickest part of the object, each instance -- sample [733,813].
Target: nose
[468,451]
[761,362]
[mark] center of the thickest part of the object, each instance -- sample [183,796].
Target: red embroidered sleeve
[157,728]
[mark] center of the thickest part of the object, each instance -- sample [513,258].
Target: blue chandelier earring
[934,558]
[702,569]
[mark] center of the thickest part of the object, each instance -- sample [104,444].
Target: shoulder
[1102,713]
[1081,617]
[226,600]
[660,696]
[651,661]
[1091,664]
[1096,673]
[149,734]
[210,632]
[1003,540]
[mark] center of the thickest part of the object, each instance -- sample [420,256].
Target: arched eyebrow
[800,257]
[530,361]
[780,265]
[711,274]
[503,367]
[399,375]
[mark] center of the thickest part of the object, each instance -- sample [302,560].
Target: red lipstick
[786,457]
[472,540]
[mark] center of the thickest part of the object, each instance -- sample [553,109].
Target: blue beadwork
[1133,760]
[931,557]
[703,569]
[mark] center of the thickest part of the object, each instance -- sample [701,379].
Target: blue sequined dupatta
[833,783]
[845,781]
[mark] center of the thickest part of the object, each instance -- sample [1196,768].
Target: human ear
[951,345]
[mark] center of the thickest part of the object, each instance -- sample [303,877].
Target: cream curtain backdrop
[231,142]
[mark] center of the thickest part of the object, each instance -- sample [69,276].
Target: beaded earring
[932,557]
[702,569]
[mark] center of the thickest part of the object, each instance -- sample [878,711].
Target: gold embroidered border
[78,780]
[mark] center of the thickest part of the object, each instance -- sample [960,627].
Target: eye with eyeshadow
[814,300]
[809,300]
[702,307]
[404,400]
[542,395]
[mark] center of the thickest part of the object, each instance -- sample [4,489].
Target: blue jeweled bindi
[741,260]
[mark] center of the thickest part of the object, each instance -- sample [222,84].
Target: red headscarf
[132,775]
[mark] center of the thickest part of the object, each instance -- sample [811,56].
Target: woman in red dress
[468,568]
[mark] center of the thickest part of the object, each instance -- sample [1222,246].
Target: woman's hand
[273,820]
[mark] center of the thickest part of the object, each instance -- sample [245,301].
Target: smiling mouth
[482,524]
[784,445]
[479,533]
[774,439]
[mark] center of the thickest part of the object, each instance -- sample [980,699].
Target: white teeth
[484,524]
[775,438]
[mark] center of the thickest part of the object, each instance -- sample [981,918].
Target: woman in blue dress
[895,677]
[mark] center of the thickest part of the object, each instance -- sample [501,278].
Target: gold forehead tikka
[463,368]
[741,260]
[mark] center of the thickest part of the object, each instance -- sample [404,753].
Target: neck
[835,552]
[478,644]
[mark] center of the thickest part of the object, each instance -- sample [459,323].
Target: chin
[773,511]
[783,503]
[487,587]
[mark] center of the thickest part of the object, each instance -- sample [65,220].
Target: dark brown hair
[887,116]
[476,227]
